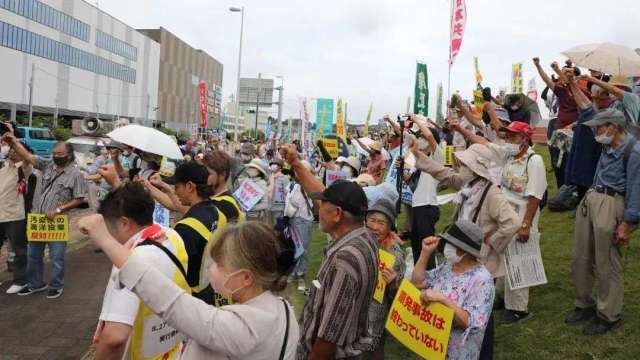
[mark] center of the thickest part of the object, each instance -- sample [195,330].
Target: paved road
[34,327]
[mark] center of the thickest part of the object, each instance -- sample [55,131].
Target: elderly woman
[481,202]
[381,219]
[461,283]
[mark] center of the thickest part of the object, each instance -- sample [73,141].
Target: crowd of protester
[206,280]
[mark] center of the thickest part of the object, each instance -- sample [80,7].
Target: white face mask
[604,139]
[512,149]
[466,175]
[252,172]
[274,168]
[450,253]
[515,107]
[4,151]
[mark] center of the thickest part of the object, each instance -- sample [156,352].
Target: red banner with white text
[458,24]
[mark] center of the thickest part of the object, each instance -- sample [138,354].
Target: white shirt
[426,192]
[295,204]
[120,304]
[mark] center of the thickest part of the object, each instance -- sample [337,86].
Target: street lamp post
[235,126]
[280,97]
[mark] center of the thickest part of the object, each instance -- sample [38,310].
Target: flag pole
[450,35]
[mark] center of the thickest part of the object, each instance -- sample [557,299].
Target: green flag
[439,115]
[421,95]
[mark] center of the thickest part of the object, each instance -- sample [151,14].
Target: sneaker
[14,289]
[598,327]
[54,293]
[28,291]
[302,286]
[511,317]
[579,315]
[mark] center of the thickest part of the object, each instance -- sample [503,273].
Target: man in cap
[334,319]
[197,225]
[605,218]
[628,102]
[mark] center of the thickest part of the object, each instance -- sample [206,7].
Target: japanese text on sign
[423,329]
[333,176]
[39,228]
[385,261]
[448,155]
[248,194]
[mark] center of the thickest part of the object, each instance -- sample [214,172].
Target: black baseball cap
[189,171]
[345,194]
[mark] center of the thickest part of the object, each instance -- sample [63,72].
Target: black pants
[16,233]
[558,171]
[486,351]
[423,224]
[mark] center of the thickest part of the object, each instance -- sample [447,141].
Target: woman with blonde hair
[250,264]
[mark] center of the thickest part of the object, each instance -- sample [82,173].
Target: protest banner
[385,261]
[458,24]
[448,155]
[324,116]
[516,78]
[366,123]
[332,146]
[332,176]
[161,215]
[340,121]
[478,74]
[280,190]
[39,228]
[478,100]
[421,93]
[423,329]
[248,194]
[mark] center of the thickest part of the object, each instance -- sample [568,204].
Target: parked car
[84,148]
[41,140]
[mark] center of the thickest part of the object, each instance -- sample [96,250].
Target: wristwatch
[524,225]
[58,211]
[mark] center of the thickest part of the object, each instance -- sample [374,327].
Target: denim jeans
[35,268]
[16,234]
[303,229]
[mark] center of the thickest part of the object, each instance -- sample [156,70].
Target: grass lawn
[545,336]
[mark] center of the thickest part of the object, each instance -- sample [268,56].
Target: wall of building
[181,69]
[118,77]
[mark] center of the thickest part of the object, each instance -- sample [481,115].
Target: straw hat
[376,146]
[620,82]
[260,166]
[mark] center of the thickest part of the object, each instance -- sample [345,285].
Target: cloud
[366,50]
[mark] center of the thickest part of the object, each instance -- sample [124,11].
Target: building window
[17,38]
[116,46]
[46,15]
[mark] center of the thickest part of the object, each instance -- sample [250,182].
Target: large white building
[86,61]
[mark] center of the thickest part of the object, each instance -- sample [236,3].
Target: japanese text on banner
[458,23]
[385,261]
[248,194]
[334,175]
[423,329]
[39,228]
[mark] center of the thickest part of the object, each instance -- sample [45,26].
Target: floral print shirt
[473,291]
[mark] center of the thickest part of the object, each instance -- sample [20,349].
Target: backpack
[29,185]
[543,201]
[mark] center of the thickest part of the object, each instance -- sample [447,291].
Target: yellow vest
[197,226]
[152,338]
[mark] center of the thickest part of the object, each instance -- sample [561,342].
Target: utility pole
[255,128]
[55,113]
[147,109]
[31,85]
[280,97]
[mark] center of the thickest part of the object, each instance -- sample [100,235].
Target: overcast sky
[366,50]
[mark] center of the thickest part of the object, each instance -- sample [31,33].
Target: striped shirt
[57,188]
[337,310]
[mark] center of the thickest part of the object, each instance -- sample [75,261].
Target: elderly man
[63,188]
[604,220]
[334,319]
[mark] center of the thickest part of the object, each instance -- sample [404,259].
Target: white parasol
[147,139]
[607,58]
